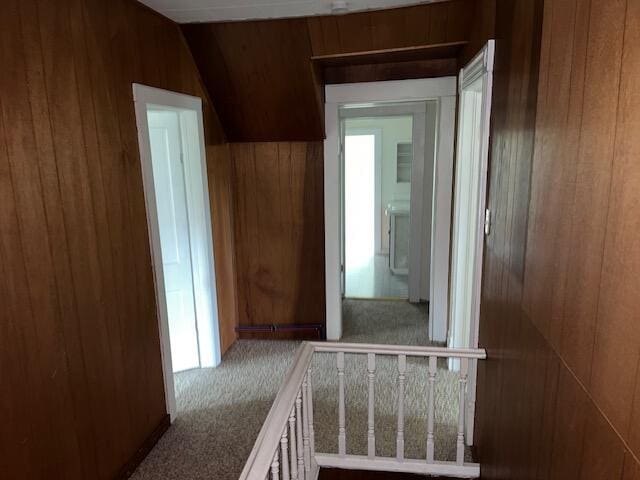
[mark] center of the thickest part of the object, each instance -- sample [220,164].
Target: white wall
[394,130]
[431,124]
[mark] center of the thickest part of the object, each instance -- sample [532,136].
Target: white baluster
[312,433]
[275,467]
[431,386]
[464,372]
[402,368]
[305,428]
[292,447]
[342,435]
[371,435]
[300,453]
[284,454]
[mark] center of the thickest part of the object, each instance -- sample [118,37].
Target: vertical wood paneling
[593,178]
[393,28]
[575,317]
[26,252]
[80,348]
[616,356]
[265,86]
[221,203]
[14,319]
[279,224]
[603,455]
[260,77]
[631,468]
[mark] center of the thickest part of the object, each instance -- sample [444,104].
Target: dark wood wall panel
[482,29]
[220,195]
[79,338]
[260,78]
[266,88]
[379,72]
[442,22]
[559,397]
[279,232]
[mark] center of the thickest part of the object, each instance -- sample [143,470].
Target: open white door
[173,221]
[475,85]
[172,156]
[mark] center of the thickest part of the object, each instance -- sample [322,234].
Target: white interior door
[173,219]
[343,266]
[468,206]
[469,229]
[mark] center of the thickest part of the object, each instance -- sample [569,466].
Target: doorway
[471,220]
[412,224]
[378,160]
[171,140]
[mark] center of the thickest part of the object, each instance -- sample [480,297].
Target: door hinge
[487,221]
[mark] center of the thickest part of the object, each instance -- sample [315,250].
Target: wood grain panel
[634,434]
[259,76]
[578,307]
[616,355]
[603,455]
[482,29]
[512,342]
[390,71]
[28,266]
[220,175]
[558,135]
[631,468]
[279,224]
[572,408]
[265,88]
[80,346]
[593,178]
[392,28]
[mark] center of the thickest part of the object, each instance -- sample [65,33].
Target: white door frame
[369,94]
[480,68]
[190,113]
[418,112]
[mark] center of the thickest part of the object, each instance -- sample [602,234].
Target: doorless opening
[171,140]
[347,100]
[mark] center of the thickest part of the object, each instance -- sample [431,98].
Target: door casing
[203,261]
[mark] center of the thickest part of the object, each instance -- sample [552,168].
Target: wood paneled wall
[279,233]
[80,358]
[265,86]
[260,78]
[559,397]
[220,176]
[442,22]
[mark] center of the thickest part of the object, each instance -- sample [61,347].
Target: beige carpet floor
[221,410]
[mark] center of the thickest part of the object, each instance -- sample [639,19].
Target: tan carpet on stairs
[221,410]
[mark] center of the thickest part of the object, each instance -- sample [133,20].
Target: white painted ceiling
[190,11]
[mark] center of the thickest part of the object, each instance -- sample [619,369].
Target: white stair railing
[285,447]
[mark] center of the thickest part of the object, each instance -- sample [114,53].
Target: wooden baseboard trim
[130,466]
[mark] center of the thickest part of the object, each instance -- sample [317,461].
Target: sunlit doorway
[378,154]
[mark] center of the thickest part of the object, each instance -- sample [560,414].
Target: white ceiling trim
[195,11]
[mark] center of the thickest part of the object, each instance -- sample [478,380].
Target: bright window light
[359,200]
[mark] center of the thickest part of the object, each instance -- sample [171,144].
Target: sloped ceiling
[196,11]
[265,77]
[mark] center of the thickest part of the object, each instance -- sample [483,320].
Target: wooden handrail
[410,350]
[268,440]
[293,407]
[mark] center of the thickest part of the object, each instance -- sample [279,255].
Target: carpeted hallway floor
[221,410]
